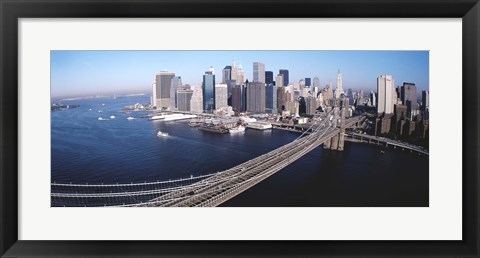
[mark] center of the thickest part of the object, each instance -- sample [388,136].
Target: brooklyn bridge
[213,189]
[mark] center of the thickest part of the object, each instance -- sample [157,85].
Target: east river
[87,150]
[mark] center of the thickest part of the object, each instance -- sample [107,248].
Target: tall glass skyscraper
[271,99]
[269,77]
[208,87]
[258,72]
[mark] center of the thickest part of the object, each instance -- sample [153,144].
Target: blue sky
[76,73]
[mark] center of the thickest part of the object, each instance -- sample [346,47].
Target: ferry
[237,129]
[172,117]
[161,134]
[259,125]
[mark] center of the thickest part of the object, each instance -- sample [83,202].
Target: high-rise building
[240,75]
[163,85]
[409,96]
[256,97]
[279,80]
[308,82]
[373,99]
[281,97]
[311,105]
[176,84]
[258,72]
[238,99]
[269,77]
[271,98]
[425,100]
[233,72]
[184,98]
[385,91]
[226,74]
[221,95]
[208,88]
[196,102]
[316,82]
[153,100]
[284,72]
[339,89]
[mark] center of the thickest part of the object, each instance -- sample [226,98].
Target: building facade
[208,90]
[256,97]
[163,86]
[221,96]
[385,91]
[258,72]
[284,72]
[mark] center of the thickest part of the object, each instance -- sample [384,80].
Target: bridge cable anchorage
[205,190]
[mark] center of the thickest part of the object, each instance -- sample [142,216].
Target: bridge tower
[339,107]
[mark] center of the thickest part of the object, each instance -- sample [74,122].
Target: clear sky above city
[77,73]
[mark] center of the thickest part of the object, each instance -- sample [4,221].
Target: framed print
[280,128]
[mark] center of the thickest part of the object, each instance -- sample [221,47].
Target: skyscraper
[176,84]
[153,100]
[308,82]
[271,98]
[226,74]
[284,72]
[425,100]
[311,105]
[196,102]
[163,85]
[279,80]
[409,96]
[221,94]
[269,77]
[184,98]
[208,87]
[238,99]
[316,82]
[385,91]
[240,75]
[233,72]
[258,72]
[339,89]
[256,97]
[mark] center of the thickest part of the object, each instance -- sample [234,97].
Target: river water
[87,150]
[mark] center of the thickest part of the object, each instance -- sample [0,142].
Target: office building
[208,89]
[425,100]
[240,75]
[184,98]
[256,97]
[226,74]
[311,105]
[233,71]
[284,72]
[163,86]
[238,99]
[279,80]
[339,89]
[409,96]
[281,98]
[308,82]
[221,95]
[271,98]
[269,77]
[196,102]
[176,84]
[385,91]
[258,72]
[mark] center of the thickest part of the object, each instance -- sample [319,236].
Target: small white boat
[112,117]
[101,118]
[237,129]
[130,118]
[160,134]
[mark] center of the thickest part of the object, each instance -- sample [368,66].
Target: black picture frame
[11,11]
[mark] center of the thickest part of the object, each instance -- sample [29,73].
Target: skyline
[81,73]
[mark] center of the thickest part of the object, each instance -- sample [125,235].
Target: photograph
[239,128]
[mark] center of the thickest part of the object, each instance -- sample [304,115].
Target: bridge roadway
[248,174]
